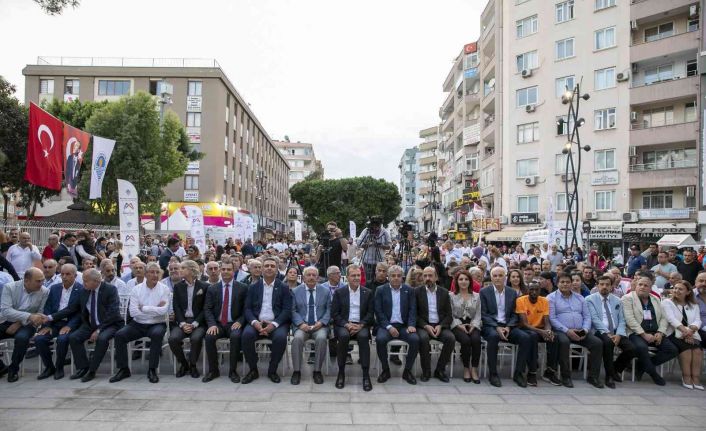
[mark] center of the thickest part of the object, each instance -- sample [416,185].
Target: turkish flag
[75,146]
[44,145]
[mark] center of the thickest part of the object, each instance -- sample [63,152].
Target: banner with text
[198,232]
[102,150]
[129,220]
[297,230]
[351,229]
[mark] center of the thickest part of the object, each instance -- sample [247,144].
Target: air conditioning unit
[633,117]
[693,11]
[566,178]
[503,219]
[633,25]
[622,76]
[690,191]
[630,217]
[530,108]
[530,181]
[526,73]
[632,151]
[591,216]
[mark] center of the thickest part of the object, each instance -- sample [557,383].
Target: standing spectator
[636,261]
[52,244]
[554,257]
[85,247]
[24,254]
[172,247]
[651,255]
[688,269]
[9,240]
[662,269]
[66,249]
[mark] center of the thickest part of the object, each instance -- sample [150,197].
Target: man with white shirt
[109,276]
[662,270]
[51,277]
[24,254]
[149,306]
[138,272]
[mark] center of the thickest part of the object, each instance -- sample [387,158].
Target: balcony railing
[128,62]
[659,166]
[664,213]
[641,126]
[657,38]
[660,81]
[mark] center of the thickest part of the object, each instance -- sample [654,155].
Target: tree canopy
[346,199]
[56,7]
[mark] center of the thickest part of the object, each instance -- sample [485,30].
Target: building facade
[429,197]
[409,184]
[252,176]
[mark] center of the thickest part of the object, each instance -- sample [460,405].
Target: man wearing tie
[608,324]
[353,317]
[311,316]
[434,319]
[224,316]
[396,315]
[268,311]
[188,318]
[63,316]
[99,306]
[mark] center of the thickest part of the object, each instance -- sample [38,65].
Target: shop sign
[524,218]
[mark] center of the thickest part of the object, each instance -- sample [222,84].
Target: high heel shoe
[686,386]
[698,387]
[467,379]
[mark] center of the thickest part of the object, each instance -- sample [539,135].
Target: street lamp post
[433,203]
[260,179]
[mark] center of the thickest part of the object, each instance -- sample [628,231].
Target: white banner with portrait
[297,230]
[198,232]
[129,214]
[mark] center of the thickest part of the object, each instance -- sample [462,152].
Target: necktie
[606,309]
[224,309]
[93,309]
[311,317]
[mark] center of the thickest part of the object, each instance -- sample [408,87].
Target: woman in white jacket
[684,322]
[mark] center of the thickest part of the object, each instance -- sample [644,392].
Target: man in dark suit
[500,323]
[434,319]
[268,311]
[189,319]
[224,317]
[65,249]
[63,316]
[352,311]
[166,256]
[99,306]
[396,315]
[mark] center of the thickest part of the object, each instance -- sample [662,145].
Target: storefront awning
[679,241]
[506,235]
[659,229]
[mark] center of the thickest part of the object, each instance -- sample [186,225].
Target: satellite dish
[491,83]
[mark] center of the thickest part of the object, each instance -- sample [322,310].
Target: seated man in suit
[396,315]
[268,311]
[646,325]
[434,319]
[189,319]
[608,324]
[62,318]
[500,323]
[311,315]
[353,317]
[149,307]
[99,306]
[225,302]
[20,313]
[571,321]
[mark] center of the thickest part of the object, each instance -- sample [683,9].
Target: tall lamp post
[260,179]
[433,203]
[572,98]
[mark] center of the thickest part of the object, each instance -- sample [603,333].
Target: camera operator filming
[373,240]
[331,248]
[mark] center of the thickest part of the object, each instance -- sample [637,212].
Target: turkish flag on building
[75,146]
[44,145]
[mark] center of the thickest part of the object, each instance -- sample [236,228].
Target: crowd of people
[427,297]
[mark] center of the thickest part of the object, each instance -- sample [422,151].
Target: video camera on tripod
[404,227]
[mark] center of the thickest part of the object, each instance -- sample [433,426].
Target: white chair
[6,347]
[652,351]
[263,347]
[131,347]
[504,350]
[435,347]
[310,349]
[580,352]
[402,353]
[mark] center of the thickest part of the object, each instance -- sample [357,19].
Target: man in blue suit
[311,315]
[63,317]
[268,312]
[396,315]
[608,323]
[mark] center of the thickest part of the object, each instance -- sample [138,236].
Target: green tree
[75,113]
[56,7]
[346,199]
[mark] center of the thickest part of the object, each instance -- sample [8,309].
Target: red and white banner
[44,149]
[75,145]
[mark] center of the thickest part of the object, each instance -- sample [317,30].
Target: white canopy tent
[679,241]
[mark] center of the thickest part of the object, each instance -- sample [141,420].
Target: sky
[358,79]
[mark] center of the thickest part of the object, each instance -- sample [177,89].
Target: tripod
[404,254]
[292,263]
[370,244]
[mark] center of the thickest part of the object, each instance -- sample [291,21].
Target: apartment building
[409,184]
[302,162]
[218,120]
[429,198]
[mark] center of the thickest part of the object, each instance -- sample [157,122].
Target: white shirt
[190,301]
[180,252]
[22,258]
[65,295]
[48,282]
[130,286]
[396,316]
[354,309]
[149,299]
[433,313]
[5,278]
[266,312]
[119,284]
[500,301]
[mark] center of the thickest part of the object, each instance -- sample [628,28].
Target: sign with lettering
[524,218]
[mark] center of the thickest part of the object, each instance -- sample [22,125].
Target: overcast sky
[358,79]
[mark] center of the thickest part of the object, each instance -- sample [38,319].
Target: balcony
[678,173]
[430,145]
[641,9]
[664,91]
[427,175]
[471,99]
[679,132]
[664,46]
[426,160]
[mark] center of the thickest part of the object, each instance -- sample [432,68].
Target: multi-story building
[302,162]
[429,198]
[409,184]
[218,120]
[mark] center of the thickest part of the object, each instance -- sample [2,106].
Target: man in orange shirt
[533,311]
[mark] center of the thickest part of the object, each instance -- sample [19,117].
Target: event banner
[243,227]
[102,149]
[75,145]
[297,230]
[129,220]
[198,232]
[352,229]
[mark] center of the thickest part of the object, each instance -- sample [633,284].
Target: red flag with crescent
[44,144]
[75,146]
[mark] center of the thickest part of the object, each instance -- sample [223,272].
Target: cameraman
[373,240]
[333,250]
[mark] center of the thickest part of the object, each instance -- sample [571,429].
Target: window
[194,88]
[564,48]
[527,26]
[527,168]
[470,61]
[527,61]
[193,119]
[659,32]
[604,38]
[528,132]
[564,11]
[527,204]
[669,159]
[664,72]
[46,86]
[191,182]
[605,78]
[604,160]
[605,200]
[486,177]
[602,4]
[690,111]
[657,199]
[604,119]
[566,125]
[561,204]
[692,24]
[527,96]
[71,86]
[564,84]
[691,68]
[472,162]
[658,117]
[560,163]
[113,87]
